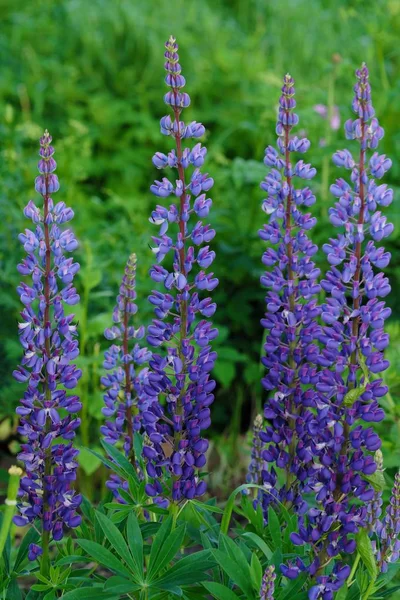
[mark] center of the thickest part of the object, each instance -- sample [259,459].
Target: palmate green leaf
[239,575]
[135,541]
[116,539]
[120,585]
[229,547]
[108,463]
[256,571]
[274,528]
[342,593]
[364,547]
[168,551]
[377,480]
[259,543]
[231,504]
[219,591]
[208,507]
[72,558]
[121,460]
[157,544]
[89,593]
[188,570]
[103,556]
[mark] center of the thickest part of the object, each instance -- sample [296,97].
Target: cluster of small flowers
[323,378]
[48,337]
[290,320]
[179,379]
[268,584]
[124,386]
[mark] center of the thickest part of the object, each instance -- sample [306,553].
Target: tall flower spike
[268,584]
[389,551]
[256,466]
[48,336]
[352,340]
[179,381]
[290,318]
[123,384]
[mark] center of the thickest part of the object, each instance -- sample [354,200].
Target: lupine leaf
[116,539]
[189,569]
[235,572]
[87,593]
[274,528]
[353,395]
[169,549]
[135,541]
[121,460]
[103,556]
[256,571]
[342,593]
[377,480]
[157,544]
[364,547]
[120,585]
[219,591]
[259,542]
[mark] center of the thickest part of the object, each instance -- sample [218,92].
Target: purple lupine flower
[326,587]
[290,318]
[123,384]
[353,341]
[389,534]
[179,381]
[48,336]
[268,584]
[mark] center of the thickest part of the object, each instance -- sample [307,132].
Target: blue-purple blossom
[122,382]
[326,586]
[179,380]
[49,338]
[268,584]
[291,310]
[352,344]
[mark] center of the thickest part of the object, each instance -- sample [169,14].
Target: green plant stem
[369,590]
[173,511]
[353,570]
[10,504]
[44,563]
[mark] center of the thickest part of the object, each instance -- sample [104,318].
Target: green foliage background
[92,73]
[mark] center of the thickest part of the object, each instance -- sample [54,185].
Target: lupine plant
[48,412]
[123,384]
[314,521]
[179,380]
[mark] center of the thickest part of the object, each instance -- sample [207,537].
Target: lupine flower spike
[180,381]
[48,336]
[268,584]
[290,318]
[353,341]
[123,384]
[256,466]
[389,534]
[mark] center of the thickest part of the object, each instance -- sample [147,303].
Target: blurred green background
[92,73]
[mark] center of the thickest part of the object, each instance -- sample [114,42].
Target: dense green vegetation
[92,72]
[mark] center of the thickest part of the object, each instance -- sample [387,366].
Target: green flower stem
[10,505]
